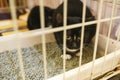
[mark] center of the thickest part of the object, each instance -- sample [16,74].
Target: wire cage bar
[43,37]
[64,38]
[43,32]
[109,32]
[13,13]
[82,36]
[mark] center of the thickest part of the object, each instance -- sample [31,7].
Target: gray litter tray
[33,62]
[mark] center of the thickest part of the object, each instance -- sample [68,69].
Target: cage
[34,54]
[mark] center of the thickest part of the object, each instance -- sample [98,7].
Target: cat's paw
[78,54]
[67,57]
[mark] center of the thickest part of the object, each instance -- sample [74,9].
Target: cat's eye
[68,38]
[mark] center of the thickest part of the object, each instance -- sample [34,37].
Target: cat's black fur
[33,21]
[55,17]
[74,15]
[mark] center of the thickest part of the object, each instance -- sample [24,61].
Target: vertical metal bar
[96,8]
[111,23]
[96,37]
[14,19]
[118,38]
[109,32]
[64,38]
[41,4]
[82,36]
[115,11]
[104,15]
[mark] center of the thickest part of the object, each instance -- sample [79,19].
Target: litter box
[27,40]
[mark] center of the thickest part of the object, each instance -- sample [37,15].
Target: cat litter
[33,62]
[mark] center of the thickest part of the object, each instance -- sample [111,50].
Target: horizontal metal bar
[77,25]
[52,30]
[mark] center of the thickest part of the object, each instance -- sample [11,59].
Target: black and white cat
[74,15]
[33,21]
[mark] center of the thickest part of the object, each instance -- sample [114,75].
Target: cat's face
[73,40]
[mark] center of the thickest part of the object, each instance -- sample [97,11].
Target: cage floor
[33,62]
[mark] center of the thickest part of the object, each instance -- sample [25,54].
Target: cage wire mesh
[42,60]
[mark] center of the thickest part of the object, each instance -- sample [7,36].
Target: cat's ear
[59,18]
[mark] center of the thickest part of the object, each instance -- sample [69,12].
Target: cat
[33,21]
[73,36]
